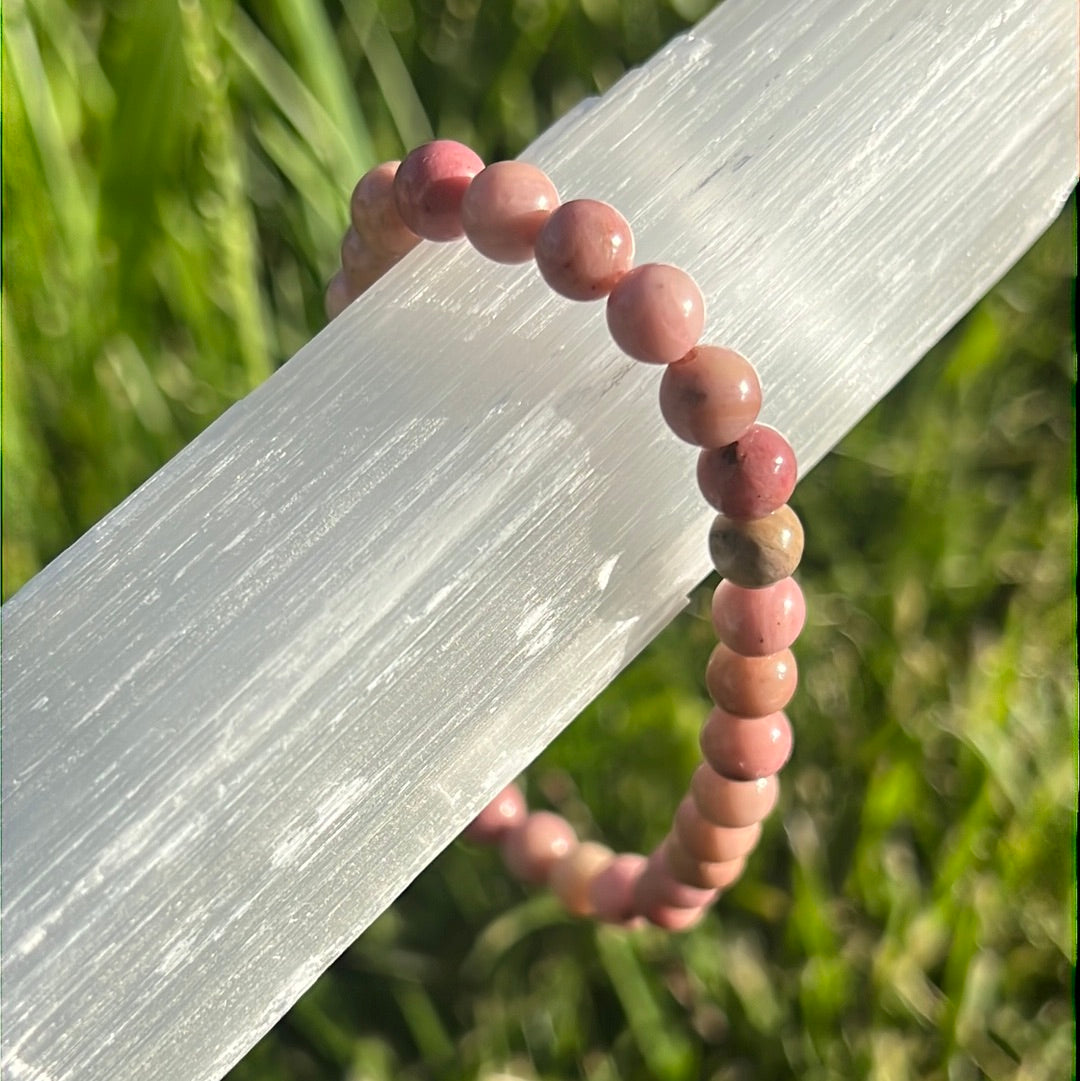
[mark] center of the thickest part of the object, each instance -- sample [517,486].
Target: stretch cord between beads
[710,397]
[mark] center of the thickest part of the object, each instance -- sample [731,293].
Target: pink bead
[710,397]
[505,208]
[675,919]
[756,622]
[503,813]
[656,313]
[732,803]
[375,216]
[430,186]
[750,477]
[746,748]
[701,874]
[571,878]
[659,886]
[584,248]
[611,892]
[708,843]
[751,686]
[531,849]
[338,295]
[362,267]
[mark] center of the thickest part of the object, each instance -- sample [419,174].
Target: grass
[174,182]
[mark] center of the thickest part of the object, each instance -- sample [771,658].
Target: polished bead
[430,186]
[746,748]
[362,267]
[658,887]
[751,686]
[338,295]
[656,313]
[710,397]
[756,622]
[572,876]
[374,213]
[611,891]
[750,477]
[505,208]
[732,803]
[503,813]
[584,248]
[709,843]
[531,849]
[702,874]
[756,553]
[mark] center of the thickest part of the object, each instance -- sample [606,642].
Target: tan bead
[572,876]
[732,803]
[708,843]
[701,874]
[338,295]
[361,266]
[754,554]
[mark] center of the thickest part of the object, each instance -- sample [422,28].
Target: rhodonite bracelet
[710,397]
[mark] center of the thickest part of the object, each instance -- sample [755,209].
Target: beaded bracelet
[710,397]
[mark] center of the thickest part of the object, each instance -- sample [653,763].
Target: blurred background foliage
[175,184]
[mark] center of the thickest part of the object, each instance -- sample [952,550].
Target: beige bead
[572,876]
[756,553]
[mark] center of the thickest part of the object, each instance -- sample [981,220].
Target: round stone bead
[572,876]
[732,803]
[584,248]
[658,887]
[503,813]
[611,891]
[375,216]
[338,295]
[746,748]
[708,843]
[754,554]
[671,918]
[531,849]
[710,397]
[362,267]
[756,622]
[505,208]
[703,874]
[656,313]
[750,477]
[430,187]
[751,686]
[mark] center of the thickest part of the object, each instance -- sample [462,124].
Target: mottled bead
[710,397]
[746,748]
[732,803]
[751,686]
[658,887]
[756,622]
[503,813]
[611,891]
[361,266]
[430,187]
[584,248]
[756,553]
[532,848]
[751,477]
[572,876]
[374,213]
[338,295]
[505,208]
[656,313]
[709,843]
[703,874]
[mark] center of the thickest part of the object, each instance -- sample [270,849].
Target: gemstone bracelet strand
[709,397]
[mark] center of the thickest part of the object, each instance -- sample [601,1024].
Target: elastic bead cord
[710,396]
